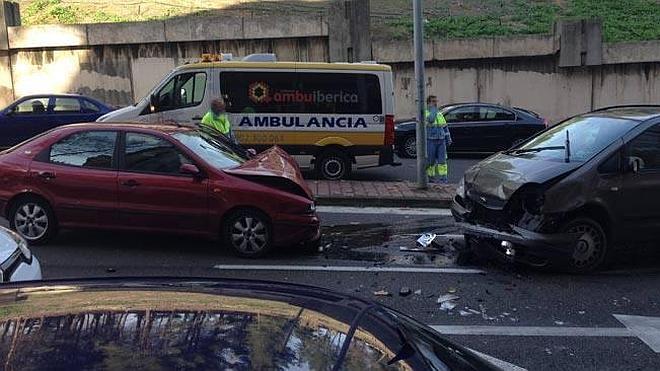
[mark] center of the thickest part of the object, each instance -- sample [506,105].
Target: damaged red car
[571,196]
[155,179]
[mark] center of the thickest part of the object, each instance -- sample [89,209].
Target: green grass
[628,20]
[54,11]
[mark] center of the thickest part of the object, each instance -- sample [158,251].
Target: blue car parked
[34,114]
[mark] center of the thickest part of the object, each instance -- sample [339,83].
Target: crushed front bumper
[530,247]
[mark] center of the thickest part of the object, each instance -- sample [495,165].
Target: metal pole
[422,180]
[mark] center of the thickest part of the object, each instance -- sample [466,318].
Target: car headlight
[460,189]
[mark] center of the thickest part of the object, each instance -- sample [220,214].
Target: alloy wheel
[31,221]
[249,235]
[410,147]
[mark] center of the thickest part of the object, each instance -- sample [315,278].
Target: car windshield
[587,136]
[214,152]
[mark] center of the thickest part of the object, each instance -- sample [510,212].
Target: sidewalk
[394,194]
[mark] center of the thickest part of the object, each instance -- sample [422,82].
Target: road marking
[382,210]
[647,329]
[504,365]
[315,268]
[535,331]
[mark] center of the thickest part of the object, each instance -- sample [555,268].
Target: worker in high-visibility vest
[438,139]
[217,119]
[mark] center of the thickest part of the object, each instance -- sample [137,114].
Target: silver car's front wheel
[33,219]
[248,233]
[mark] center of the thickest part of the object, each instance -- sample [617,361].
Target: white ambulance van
[332,117]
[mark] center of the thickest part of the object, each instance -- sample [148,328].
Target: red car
[155,178]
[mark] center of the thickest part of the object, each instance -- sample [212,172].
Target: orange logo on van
[259,92]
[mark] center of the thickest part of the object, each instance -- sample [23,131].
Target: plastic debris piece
[451,290]
[447,297]
[405,291]
[381,293]
[110,270]
[559,323]
[428,240]
[581,312]
[448,305]
[418,292]
[473,311]
[464,313]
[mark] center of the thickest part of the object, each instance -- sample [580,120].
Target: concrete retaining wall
[118,63]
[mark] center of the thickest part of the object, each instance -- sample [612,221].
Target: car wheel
[333,165]
[591,249]
[409,147]
[248,233]
[33,219]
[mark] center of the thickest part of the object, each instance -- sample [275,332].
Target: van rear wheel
[333,165]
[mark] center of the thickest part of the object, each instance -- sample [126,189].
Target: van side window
[647,148]
[302,92]
[184,90]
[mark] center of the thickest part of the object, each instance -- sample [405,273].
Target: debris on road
[559,323]
[448,305]
[451,290]
[429,240]
[581,312]
[418,292]
[381,293]
[110,270]
[465,313]
[419,249]
[447,297]
[405,291]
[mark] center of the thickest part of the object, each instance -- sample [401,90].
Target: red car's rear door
[79,177]
[153,193]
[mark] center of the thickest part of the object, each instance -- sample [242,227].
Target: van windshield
[588,136]
[214,152]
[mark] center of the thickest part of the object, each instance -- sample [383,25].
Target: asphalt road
[522,307]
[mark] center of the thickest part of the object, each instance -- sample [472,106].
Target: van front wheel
[333,165]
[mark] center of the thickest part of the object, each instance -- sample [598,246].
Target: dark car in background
[571,195]
[34,114]
[203,324]
[478,128]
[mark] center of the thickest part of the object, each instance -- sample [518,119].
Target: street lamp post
[422,180]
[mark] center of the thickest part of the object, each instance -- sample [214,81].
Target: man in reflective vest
[438,139]
[218,120]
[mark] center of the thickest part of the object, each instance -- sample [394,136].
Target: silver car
[16,260]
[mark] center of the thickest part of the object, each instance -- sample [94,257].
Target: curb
[384,202]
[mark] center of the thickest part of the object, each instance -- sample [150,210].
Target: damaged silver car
[570,196]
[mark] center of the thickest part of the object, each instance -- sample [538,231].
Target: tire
[591,251]
[333,165]
[248,233]
[408,147]
[33,219]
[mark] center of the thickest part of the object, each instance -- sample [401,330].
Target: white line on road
[535,331]
[382,210]
[315,268]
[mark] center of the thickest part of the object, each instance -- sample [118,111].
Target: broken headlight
[460,189]
[533,202]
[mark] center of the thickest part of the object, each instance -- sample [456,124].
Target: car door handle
[46,175]
[130,183]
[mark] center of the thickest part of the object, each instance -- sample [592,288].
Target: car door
[183,98]
[23,120]
[461,129]
[78,174]
[641,189]
[495,126]
[68,110]
[153,193]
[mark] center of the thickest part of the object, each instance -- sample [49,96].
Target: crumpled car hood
[500,176]
[273,162]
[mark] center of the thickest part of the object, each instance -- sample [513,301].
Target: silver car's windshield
[587,136]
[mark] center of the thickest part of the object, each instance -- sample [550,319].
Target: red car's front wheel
[248,232]
[33,219]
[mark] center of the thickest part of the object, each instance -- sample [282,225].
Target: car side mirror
[190,169]
[153,103]
[635,164]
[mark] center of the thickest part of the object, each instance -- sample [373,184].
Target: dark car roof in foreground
[111,312]
[628,112]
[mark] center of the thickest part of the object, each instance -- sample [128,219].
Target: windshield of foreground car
[588,136]
[211,150]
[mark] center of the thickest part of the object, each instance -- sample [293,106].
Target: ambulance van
[331,117]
